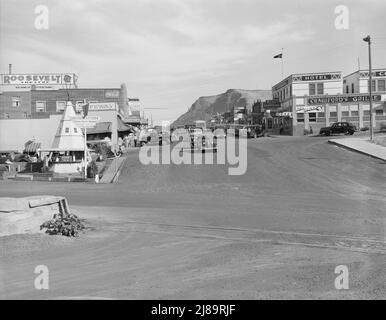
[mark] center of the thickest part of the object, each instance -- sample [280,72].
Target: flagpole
[282,64]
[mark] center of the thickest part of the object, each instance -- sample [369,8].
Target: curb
[356,150]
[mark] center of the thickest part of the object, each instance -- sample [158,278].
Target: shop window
[312,116]
[300,117]
[382,85]
[60,106]
[379,112]
[16,102]
[320,87]
[40,106]
[311,89]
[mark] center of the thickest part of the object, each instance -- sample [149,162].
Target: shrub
[66,225]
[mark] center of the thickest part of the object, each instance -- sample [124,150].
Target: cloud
[184,47]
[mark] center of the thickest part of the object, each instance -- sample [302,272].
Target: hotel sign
[317,77]
[38,79]
[342,99]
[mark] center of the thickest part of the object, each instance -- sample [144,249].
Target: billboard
[40,80]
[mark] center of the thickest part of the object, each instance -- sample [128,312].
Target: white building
[310,101]
[358,81]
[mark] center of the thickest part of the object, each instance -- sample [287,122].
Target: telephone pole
[368,40]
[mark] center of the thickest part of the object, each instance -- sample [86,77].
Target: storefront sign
[365,74]
[317,77]
[303,109]
[342,99]
[38,79]
[271,104]
[102,106]
[284,114]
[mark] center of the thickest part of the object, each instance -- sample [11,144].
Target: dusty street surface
[180,232]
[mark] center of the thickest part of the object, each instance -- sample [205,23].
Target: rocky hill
[205,107]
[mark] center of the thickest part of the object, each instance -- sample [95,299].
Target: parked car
[338,127]
[254,131]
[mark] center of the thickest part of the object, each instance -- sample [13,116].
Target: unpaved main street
[180,232]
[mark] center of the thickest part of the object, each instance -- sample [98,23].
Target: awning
[32,147]
[122,127]
[101,127]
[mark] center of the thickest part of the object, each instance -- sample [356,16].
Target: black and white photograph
[184,152]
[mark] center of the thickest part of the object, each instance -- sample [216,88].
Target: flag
[280,55]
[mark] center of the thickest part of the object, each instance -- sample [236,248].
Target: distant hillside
[205,107]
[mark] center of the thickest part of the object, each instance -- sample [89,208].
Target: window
[311,88]
[352,88]
[320,87]
[300,117]
[40,106]
[16,102]
[366,112]
[354,113]
[75,130]
[379,112]
[381,85]
[67,130]
[60,106]
[333,114]
[345,114]
[372,85]
[347,89]
[321,115]
[312,116]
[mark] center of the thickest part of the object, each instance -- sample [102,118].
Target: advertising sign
[38,79]
[112,94]
[102,106]
[342,99]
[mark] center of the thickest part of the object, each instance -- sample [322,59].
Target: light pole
[368,40]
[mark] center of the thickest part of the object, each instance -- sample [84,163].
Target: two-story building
[313,100]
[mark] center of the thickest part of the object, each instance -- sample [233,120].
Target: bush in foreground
[66,225]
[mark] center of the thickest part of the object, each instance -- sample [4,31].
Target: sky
[171,52]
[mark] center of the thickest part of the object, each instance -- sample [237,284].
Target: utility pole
[368,40]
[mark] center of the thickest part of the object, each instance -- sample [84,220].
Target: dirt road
[174,232]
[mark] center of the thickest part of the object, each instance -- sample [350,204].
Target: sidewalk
[362,145]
